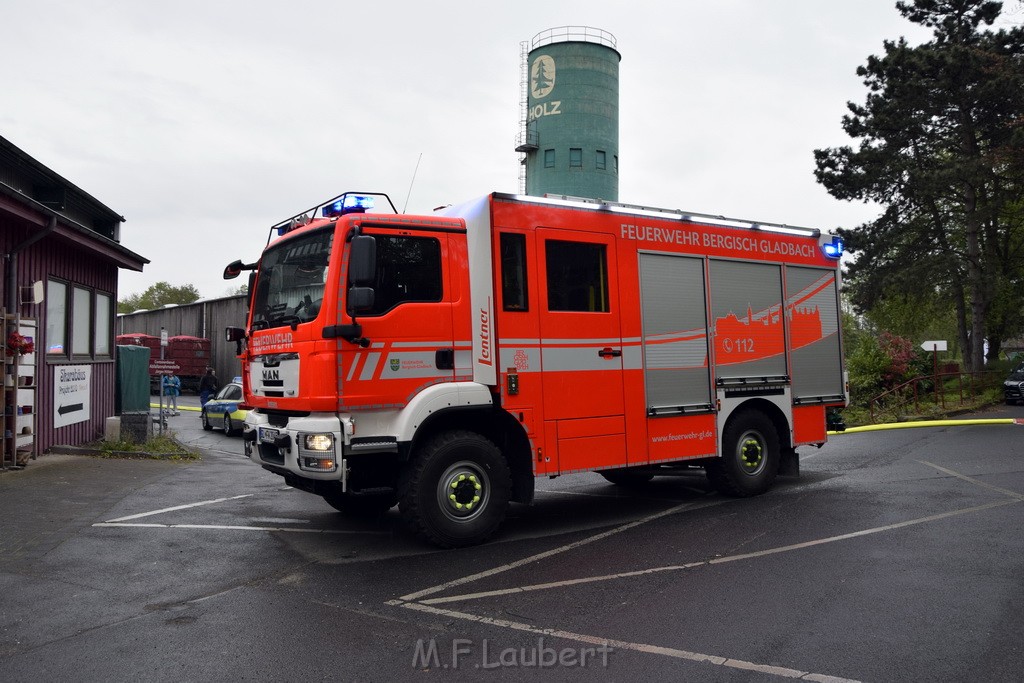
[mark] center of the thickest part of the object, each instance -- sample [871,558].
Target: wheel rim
[751,452]
[227,423]
[463,491]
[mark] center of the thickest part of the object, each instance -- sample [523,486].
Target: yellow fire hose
[932,423]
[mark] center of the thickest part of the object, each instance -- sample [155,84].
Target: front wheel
[229,425]
[206,421]
[750,456]
[456,490]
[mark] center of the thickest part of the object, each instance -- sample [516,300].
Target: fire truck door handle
[608,352]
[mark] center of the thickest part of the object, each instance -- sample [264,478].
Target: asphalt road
[895,556]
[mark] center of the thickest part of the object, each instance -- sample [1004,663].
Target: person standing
[208,386]
[172,388]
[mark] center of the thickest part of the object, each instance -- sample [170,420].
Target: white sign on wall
[71,388]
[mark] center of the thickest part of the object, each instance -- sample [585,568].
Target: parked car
[225,410]
[1013,386]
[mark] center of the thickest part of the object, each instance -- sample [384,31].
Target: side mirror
[360,300]
[362,261]
[237,335]
[233,270]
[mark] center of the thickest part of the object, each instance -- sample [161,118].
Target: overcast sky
[205,122]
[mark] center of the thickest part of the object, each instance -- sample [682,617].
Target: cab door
[410,342]
[581,348]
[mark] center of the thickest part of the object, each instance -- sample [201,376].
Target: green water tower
[569,117]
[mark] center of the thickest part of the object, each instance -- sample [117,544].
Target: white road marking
[717,560]
[412,601]
[229,527]
[177,507]
[561,549]
[1011,494]
[624,645]
[279,520]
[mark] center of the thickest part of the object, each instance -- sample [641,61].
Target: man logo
[395,364]
[542,77]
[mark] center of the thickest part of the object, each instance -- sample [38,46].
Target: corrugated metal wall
[201,319]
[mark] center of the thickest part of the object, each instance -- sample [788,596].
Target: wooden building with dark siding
[58,240]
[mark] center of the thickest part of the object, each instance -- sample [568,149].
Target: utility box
[132,388]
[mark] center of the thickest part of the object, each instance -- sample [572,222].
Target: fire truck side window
[577,276]
[513,272]
[408,269]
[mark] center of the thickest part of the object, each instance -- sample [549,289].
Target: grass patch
[161,447]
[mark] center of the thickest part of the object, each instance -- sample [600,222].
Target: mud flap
[789,463]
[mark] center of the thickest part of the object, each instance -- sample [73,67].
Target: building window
[81,314]
[513,272]
[601,160]
[575,157]
[81,321]
[56,318]
[577,276]
[549,158]
[616,160]
[101,335]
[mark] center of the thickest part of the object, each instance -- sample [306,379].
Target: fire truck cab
[443,362]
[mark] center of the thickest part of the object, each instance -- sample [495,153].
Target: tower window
[549,158]
[575,157]
[601,160]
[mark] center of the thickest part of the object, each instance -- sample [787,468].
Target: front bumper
[311,447]
[1013,391]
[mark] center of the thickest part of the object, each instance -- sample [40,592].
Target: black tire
[750,456]
[206,421]
[229,426]
[362,505]
[627,478]
[455,491]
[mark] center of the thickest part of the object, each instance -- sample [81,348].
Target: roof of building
[42,194]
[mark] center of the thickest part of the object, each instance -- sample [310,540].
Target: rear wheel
[456,490]
[363,505]
[750,456]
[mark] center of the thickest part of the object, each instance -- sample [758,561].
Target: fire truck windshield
[291,279]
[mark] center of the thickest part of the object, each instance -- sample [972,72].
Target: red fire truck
[443,362]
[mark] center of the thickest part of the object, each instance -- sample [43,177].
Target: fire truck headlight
[318,442]
[316,453]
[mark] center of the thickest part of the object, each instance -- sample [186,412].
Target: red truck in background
[187,356]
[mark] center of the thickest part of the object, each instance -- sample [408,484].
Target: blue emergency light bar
[833,249]
[350,203]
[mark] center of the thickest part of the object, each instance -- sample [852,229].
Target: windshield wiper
[292,320]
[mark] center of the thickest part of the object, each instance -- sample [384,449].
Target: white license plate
[266,434]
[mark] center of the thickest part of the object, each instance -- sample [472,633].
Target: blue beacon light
[833,249]
[352,203]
